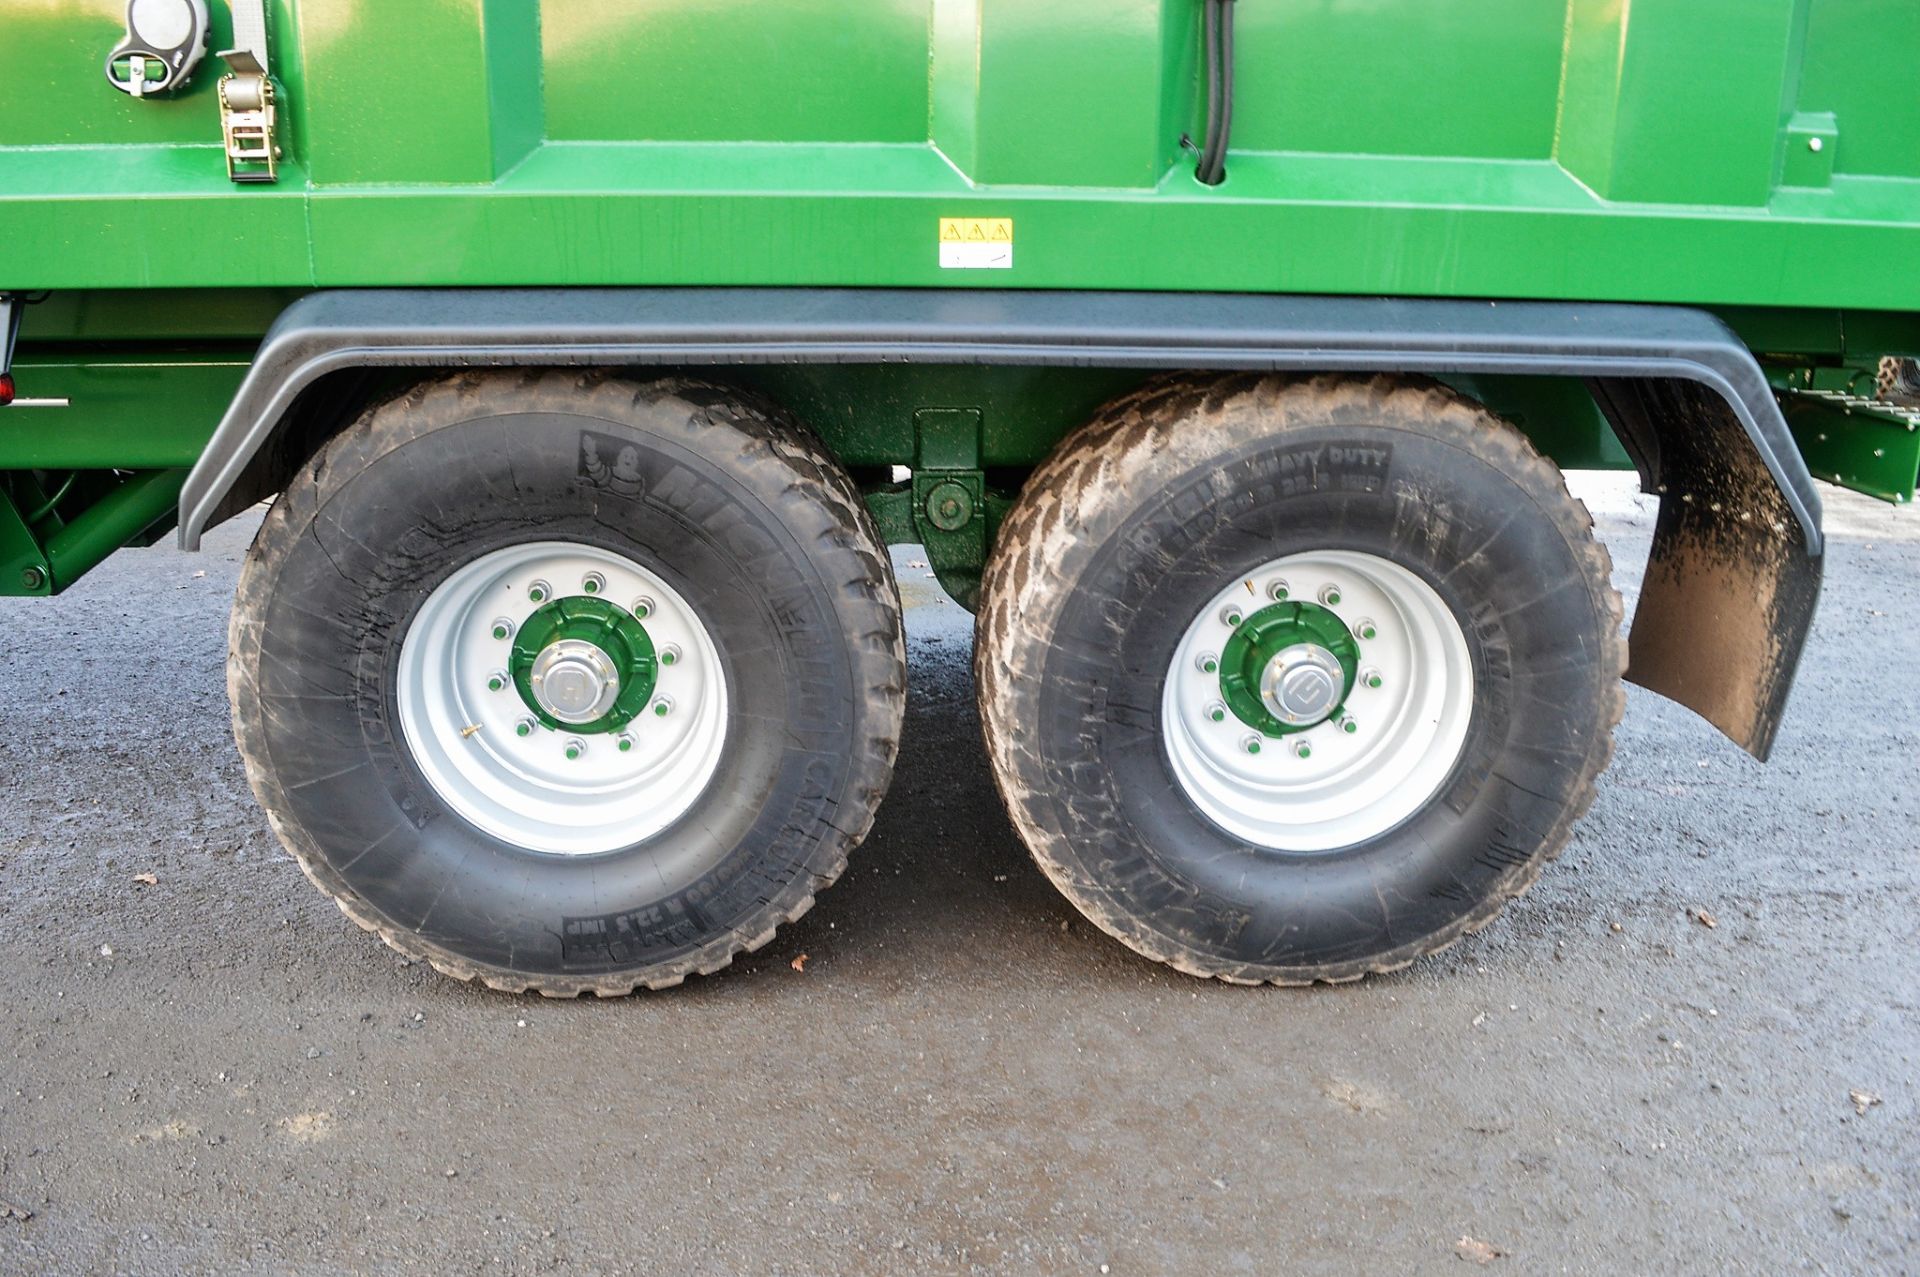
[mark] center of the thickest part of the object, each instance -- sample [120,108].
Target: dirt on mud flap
[1733,579]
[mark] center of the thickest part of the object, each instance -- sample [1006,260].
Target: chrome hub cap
[574,681]
[1302,684]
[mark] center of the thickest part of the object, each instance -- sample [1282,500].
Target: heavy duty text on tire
[1415,647]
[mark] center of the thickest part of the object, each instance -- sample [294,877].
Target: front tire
[1296,680]
[569,683]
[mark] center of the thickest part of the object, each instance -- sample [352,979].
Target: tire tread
[819,498]
[1070,491]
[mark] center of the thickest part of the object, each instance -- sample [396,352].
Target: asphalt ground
[205,1068]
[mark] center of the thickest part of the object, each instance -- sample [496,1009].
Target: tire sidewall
[1124,838]
[390,523]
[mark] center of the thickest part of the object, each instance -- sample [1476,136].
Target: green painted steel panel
[866,413]
[1755,156]
[737,70]
[1859,65]
[1460,77]
[1060,95]
[50,59]
[1419,147]
[1676,101]
[1274,226]
[425,92]
[133,413]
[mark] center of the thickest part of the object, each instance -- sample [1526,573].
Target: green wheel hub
[584,665]
[1288,667]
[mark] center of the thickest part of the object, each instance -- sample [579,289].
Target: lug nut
[662,706]
[576,747]
[593,583]
[1207,662]
[524,727]
[642,607]
[539,592]
[1277,591]
[497,681]
[502,628]
[1251,744]
[670,654]
[1330,595]
[1348,726]
[1366,630]
[1303,750]
[1371,677]
[1230,616]
[623,743]
[1217,712]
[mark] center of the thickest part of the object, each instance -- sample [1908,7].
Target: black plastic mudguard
[1737,549]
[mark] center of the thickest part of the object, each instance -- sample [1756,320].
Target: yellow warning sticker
[976,243]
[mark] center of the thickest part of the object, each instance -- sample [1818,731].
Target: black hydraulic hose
[1210,42]
[1217,36]
[1226,90]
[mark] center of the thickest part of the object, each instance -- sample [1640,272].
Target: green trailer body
[1634,166]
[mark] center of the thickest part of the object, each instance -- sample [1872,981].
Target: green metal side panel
[150,413]
[51,53]
[1476,78]
[1676,101]
[427,92]
[1501,148]
[866,413]
[1859,66]
[737,70]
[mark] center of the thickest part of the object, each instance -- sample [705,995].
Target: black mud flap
[1731,583]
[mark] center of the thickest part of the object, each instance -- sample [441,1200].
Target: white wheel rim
[525,790]
[1352,786]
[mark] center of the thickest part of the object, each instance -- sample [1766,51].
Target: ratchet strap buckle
[247,120]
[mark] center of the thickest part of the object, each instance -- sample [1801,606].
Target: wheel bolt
[624,743]
[1277,591]
[523,728]
[1366,630]
[539,592]
[497,681]
[670,654]
[1217,712]
[503,628]
[1230,616]
[662,706]
[1207,662]
[642,607]
[593,583]
[576,747]
[1330,595]
[1303,750]
[1371,678]
[1251,744]
[1348,726]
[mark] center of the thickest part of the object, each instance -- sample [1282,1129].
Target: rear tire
[1434,605]
[722,744]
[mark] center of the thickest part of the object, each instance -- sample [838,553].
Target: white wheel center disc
[1353,776]
[558,790]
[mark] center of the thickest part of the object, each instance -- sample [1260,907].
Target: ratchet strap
[246,99]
